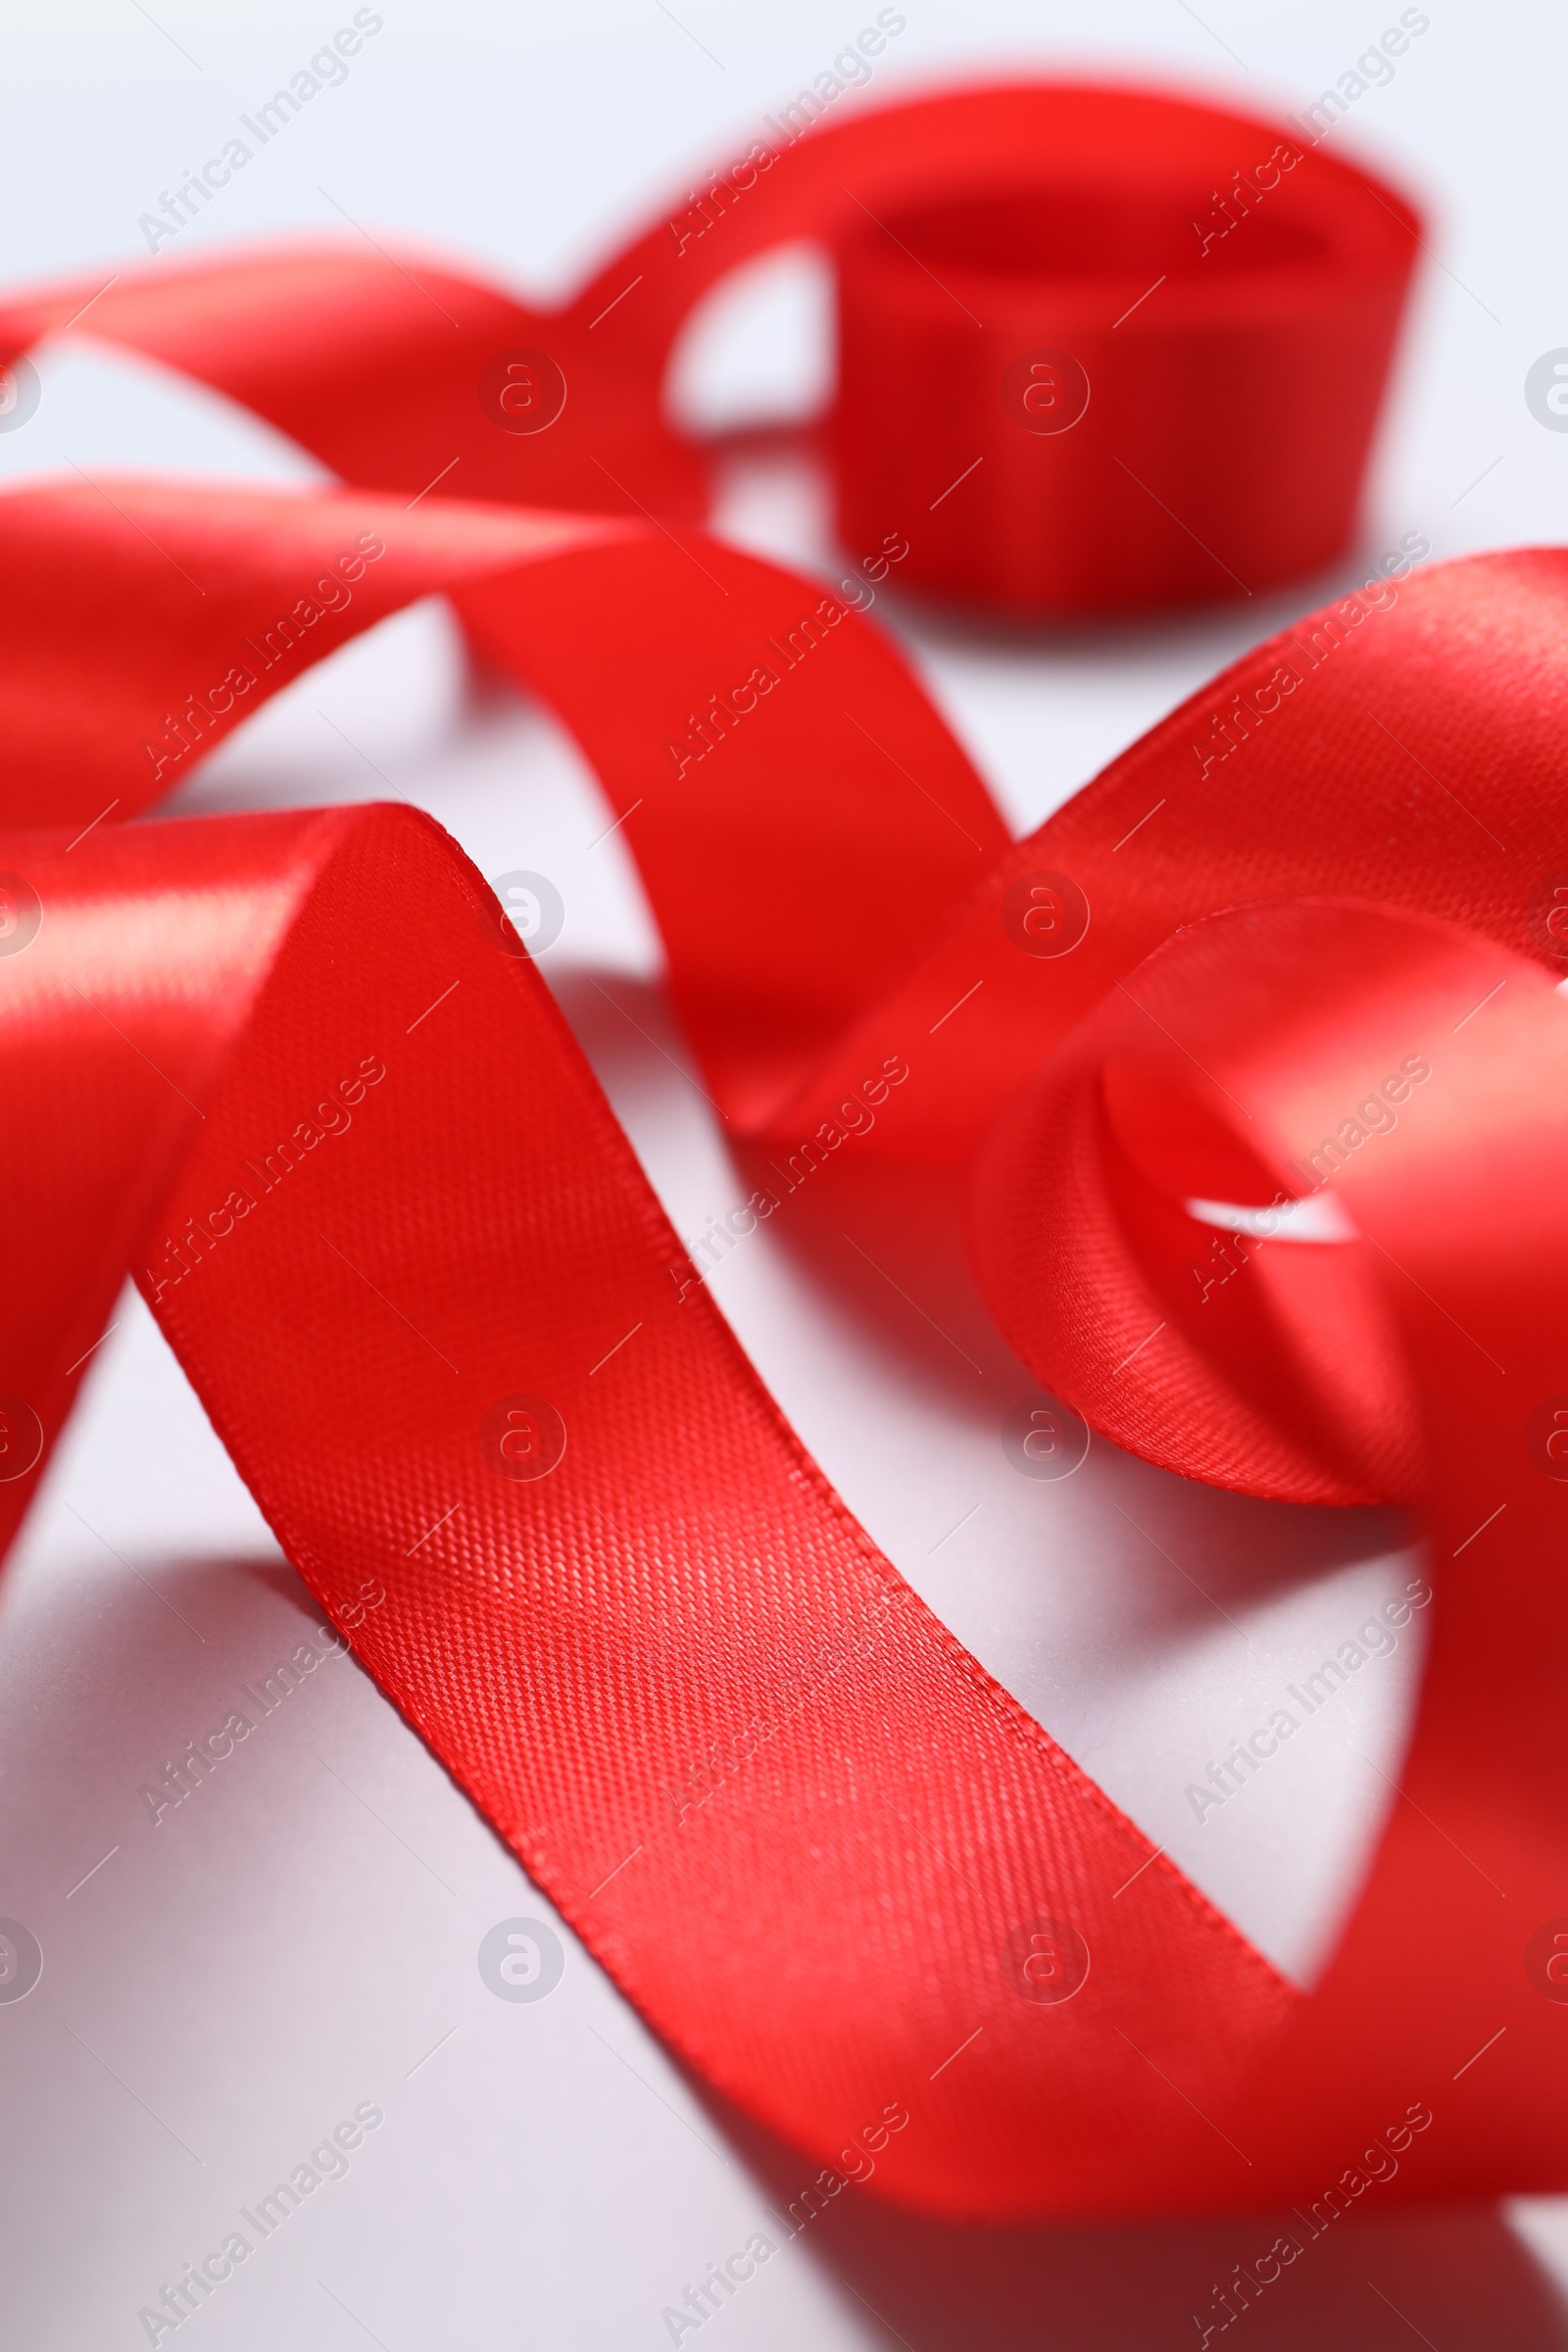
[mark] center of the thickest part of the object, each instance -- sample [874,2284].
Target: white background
[301,1936]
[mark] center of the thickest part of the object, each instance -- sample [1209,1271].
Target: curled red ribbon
[1099,348]
[1300,943]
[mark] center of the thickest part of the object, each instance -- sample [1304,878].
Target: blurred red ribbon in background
[1099,350]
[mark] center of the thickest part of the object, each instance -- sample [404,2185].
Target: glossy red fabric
[1221,294]
[293,1071]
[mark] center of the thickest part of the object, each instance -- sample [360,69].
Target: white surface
[301,1934]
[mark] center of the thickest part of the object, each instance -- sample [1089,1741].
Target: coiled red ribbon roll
[1208,978]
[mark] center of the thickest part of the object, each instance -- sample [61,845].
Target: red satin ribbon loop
[1135,359]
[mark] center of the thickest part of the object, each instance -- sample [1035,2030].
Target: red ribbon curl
[1302,939]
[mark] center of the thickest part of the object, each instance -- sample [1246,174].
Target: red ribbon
[1300,940]
[1151,337]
